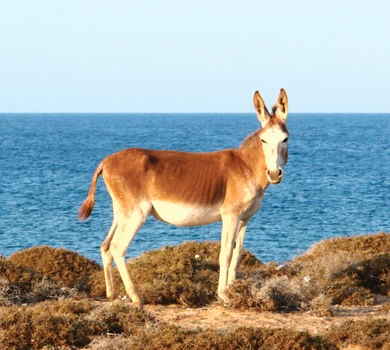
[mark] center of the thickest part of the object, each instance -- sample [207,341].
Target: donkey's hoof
[113,297]
[223,299]
[137,304]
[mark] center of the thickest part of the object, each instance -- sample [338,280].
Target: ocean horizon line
[184,113]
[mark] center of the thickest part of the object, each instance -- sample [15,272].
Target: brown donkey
[191,189]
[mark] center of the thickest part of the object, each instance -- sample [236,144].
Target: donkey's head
[273,135]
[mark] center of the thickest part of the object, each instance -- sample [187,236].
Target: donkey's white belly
[185,214]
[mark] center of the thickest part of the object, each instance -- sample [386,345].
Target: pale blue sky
[193,56]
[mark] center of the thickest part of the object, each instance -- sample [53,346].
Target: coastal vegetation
[55,299]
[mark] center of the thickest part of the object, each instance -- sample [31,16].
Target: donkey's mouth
[275,176]
[275,182]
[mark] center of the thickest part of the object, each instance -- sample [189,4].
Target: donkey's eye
[263,141]
[285,140]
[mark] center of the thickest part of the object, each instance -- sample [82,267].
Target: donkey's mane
[252,140]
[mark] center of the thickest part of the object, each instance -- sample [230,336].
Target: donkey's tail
[86,208]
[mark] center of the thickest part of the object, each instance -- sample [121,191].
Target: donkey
[191,189]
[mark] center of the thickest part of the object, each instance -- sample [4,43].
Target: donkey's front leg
[229,230]
[237,252]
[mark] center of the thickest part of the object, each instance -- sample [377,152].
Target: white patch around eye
[273,136]
[272,140]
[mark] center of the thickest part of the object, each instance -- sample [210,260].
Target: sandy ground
[220,317]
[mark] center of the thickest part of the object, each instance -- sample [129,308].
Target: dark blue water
[337,181]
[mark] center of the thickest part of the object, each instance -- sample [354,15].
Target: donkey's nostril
[280,173]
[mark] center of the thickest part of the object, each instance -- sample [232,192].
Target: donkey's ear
[281,106]
[261,109]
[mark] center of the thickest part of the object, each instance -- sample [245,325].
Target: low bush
[372,273]
[370,334]
[65,267]
[20,285]
[35,328]
[346,271]
[349,271]
[268,289]
[67,323]
[175,337]
[118,318]
[16,282]
[366,244]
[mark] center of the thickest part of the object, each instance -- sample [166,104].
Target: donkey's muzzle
[275,175]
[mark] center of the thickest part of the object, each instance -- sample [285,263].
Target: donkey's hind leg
[127,229]
[107,261]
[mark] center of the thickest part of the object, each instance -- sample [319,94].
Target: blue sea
[336,183]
